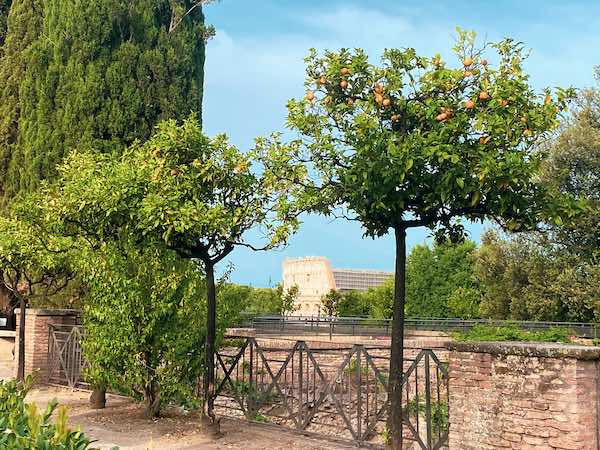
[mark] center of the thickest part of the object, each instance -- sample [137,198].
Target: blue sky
[255,64]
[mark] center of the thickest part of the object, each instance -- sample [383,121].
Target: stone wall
[523,396]
[37,322]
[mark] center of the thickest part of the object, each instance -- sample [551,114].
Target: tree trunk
[210,420]
[98,398]
[21,362]
[397,350]
[152,400]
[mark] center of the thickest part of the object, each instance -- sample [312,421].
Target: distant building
[315,277]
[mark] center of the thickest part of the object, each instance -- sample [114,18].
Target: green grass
[481,333]
[439,413]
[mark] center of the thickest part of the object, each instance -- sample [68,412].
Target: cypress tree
[4,7]
[100,77]
[23,22]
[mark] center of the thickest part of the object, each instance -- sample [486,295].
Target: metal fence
[65,355]
[336,392]
[357,326]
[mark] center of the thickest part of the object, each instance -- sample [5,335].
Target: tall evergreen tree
[100,77]
[24,20]
[4,8]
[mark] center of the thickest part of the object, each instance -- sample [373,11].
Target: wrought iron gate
[331,391]
[65,357]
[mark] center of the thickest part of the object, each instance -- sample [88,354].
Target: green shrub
[514,333]
[22,426]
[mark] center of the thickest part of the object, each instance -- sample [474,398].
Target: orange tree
[180,191]
[419,142]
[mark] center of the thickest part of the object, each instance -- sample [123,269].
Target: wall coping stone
[533,349]
[7,334]
[50,312]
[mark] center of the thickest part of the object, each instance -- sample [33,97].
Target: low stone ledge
[7,334]
[240,332]
[532,349]
[50,312]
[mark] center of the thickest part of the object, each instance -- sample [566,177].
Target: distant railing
[360,326]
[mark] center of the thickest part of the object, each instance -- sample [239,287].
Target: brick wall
[523,396]
[37,323]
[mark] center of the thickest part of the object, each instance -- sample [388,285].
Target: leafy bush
[514,333]
[22,426]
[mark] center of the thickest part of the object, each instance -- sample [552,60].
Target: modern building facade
[315,277]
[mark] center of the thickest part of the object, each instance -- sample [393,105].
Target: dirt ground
[122,424]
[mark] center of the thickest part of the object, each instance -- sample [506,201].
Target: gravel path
[122,424]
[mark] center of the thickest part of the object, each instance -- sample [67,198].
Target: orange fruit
[469,104]
[343,84]
[379,98]
[310,96]
[323,79]
[345,71]
[468,62]
[174,172]
[395,117]
[378,88]
[527,132]
[327,100]
[387,102]
[547,100]
[467,73]
[483,95]
[441,117]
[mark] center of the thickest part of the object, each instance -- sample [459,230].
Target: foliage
[179,191]
[23,426]
[354,304]
[416,142]
[463,303]
[33,264]
[95,76]
[25,23]
[198,196]
[4,7]
[402,140]
[573,167]
[287,299]
[330,302]
[433,275]
[144,322]
[523,280]
[261,301]
[439,413]
[514,333]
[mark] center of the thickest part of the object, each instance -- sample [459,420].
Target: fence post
[359,390]
[300,383]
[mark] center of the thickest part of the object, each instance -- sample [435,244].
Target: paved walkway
[6,370]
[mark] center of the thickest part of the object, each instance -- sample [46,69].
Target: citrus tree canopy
[182,191]
[418,141]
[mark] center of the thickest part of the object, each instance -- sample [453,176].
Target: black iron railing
[335,392]
[357,326]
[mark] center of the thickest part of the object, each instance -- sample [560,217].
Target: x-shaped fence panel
[65,355]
